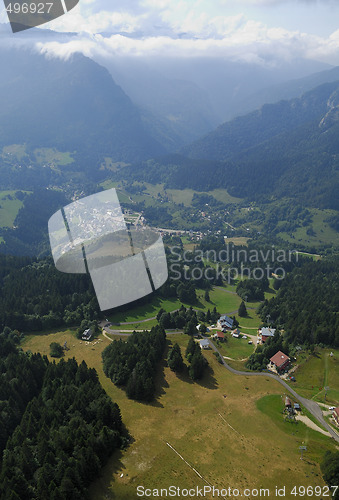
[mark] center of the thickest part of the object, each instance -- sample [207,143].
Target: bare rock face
[332,116]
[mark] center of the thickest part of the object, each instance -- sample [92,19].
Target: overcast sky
[254,30]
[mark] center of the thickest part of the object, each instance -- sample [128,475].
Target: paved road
[311,406]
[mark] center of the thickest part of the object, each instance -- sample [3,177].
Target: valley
[220,132]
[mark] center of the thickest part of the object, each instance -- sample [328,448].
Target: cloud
[246,41]
[182,28]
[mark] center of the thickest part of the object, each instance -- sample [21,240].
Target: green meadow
[221,430]
[9,208]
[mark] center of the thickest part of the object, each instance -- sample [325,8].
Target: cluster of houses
[291,409]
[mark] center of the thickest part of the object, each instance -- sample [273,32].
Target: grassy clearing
[251,321]
[239,241]
[185,196]
[323,233]
[109,164]
[224,301]
[316,372]
[109,184]
[146,325]
[272,406]
[146,311]
[9,208]
[78,349]
[237,349]
[16,150]
[53,156]
[187,415]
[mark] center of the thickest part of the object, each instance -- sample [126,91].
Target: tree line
[58,426]
[306,304]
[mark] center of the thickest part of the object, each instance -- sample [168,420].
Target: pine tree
[242,311]
[174,360]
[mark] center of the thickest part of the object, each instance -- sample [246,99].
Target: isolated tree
[174,359]
[207,296]
[198,365]
[242,311]
[56,350]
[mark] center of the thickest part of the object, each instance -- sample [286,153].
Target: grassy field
[315,372]
[185,196]
[146,311]
[9,208]
[237,349]
[52,156]
[273,406]
[222,299]
[215,425]
[323,233]
[16,150]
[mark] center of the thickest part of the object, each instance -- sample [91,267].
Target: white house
[204,344]
[87,335]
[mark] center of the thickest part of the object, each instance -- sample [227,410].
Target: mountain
[287,90]
[73,105]
[191,96]
[289,149]
[270,120]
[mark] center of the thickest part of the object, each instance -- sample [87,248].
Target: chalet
[297,407]
[288,403]
[279,361]
[204,344]
[225,322]
[87,335]
[220,336]
[236,333]
[335,415]
[267,333]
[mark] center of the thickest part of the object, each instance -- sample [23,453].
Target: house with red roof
[280,361]
[220,336]
[335,415]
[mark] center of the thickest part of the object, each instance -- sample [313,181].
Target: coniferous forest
[306,304]
[133,364]
[58,426]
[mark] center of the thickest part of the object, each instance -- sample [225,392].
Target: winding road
[310,405]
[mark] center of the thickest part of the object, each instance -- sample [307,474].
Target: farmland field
[234,449]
